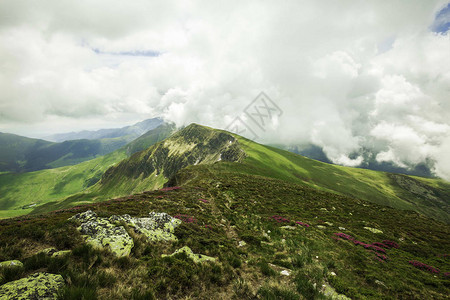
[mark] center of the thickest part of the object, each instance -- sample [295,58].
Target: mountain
[20,192]
[129,133]
[196,145]
[22,154]
[254,222]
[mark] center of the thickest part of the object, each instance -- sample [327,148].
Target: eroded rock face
[36,286]
[108,232]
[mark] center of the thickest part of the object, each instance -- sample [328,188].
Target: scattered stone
[380,283]
[321,227]
[285,273]
[36,286]
[342,228]
[288,227]
[242,244]
[11,263]
[373,230]
[61,253]
[332,274]
[330,292]
[197,258]
[108,232]
[48,251]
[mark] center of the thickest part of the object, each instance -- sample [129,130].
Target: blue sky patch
[441,23]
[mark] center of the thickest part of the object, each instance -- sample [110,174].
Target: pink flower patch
[423,266]
[302,223]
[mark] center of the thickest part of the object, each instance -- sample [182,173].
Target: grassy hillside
[248,223]
[428,196]
[20,193]
[152,168]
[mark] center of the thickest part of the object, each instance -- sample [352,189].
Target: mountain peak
[192,145]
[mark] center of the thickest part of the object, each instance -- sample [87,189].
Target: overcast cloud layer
[349,76]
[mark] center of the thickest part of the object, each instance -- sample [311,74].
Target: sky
[352,77]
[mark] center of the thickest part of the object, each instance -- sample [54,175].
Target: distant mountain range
[23,154]
[128,132]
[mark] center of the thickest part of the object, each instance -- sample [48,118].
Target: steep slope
[128,133]
[19,193]
[151,168]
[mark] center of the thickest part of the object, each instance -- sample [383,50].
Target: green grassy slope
[20,193]
[428,196]
[238,207]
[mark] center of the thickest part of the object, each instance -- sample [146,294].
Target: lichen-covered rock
[157,227]
[100,233]
[197,258]
[108,232]
[373,230]
[84,216]
[61,253]
[37,286]
[48,251]
[11,263]
[331,293]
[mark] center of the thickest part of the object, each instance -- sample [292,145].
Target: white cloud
[348,75]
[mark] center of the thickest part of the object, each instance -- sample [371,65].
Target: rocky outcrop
[197,258]
[37,286]
[10,264]
[110,233]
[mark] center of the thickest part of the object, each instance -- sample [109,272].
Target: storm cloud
[351,77]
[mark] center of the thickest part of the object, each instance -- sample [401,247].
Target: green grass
[239,208]
[19,191]
[50,189]
[374,186]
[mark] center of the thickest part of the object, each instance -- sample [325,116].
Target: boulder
[61,253]
[37,286]
[11,263]
[109,232]
[48,251]
[331,293]
[197,258]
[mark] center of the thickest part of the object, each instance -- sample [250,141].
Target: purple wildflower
[391,244]
[423,266]
[302,224]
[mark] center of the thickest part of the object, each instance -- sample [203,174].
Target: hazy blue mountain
[130,132]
